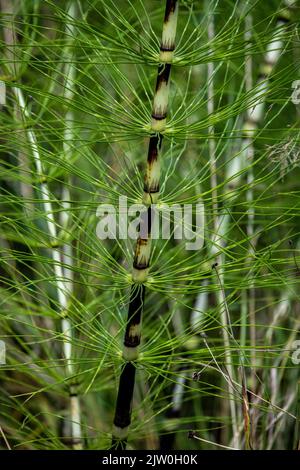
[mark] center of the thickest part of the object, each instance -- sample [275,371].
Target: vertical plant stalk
[248,146]
[248,297]
[70,72]
[122,418]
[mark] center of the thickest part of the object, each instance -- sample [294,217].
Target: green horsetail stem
[122,418]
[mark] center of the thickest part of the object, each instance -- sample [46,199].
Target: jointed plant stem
[69,84]
[141,261]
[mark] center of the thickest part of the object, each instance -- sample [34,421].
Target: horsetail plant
[208,356]
[67,256]
[142,254]
[61,273]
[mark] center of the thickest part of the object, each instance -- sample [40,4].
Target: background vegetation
[215,366]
